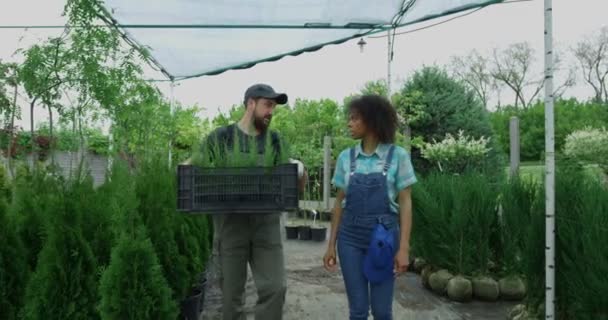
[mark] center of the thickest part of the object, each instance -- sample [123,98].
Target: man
[242,239]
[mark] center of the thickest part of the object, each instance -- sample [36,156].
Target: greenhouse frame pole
[389,65]
[549,166]
[171,105]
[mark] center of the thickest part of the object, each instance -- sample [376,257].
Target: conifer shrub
[64,284]
[133,286]
[13,263]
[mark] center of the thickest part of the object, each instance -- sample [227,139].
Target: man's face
[262,113]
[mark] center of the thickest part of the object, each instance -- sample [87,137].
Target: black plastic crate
[237,190]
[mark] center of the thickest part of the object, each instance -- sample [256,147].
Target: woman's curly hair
[378,114]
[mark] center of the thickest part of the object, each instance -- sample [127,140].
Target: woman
[374,199]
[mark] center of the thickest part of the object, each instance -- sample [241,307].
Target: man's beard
[260,124]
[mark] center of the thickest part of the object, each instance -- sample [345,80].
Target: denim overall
[367,203]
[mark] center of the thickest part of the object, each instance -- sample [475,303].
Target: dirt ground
[313,293]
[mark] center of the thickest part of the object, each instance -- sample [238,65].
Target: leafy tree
[145,123]
[188,129]
[570,115]
[235,113]
[42,73]
[514,67]
[447,104]
[436,105]
[108,80]
[474,71]
[9,107]
[8,93]
[305,126]
[592,55]
[377,87]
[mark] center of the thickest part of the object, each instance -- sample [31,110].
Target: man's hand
[302,174]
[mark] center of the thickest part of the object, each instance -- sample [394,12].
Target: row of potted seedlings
[306,231]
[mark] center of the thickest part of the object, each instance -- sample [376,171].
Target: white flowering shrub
[588,145]
[456,154]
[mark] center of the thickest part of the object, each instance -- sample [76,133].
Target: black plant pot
[203,289]
[191,306]
[326,216]
[291,232]
[304,232]
[301,214]
[310,214]
[318,233]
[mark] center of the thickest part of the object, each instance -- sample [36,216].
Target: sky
[339,70]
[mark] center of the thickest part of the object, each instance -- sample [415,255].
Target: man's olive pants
[257,240]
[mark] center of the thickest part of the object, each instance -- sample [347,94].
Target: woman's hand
[329,260]
[402,261]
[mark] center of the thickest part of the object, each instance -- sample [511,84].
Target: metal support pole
[326,170]
[389,64]
[549,166]
[514,145]
[171,106]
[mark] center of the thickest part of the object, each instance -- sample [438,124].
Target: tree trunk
[71,150]
[11,129]
[51,141]
[81,149]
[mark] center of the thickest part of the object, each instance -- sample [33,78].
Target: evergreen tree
[13,264]
[33,192]
[155,189]
[64,285]
[133,286]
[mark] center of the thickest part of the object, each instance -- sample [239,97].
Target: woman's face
[357,127]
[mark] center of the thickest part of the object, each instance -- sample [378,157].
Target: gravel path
[313,293]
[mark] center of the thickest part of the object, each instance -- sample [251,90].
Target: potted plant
[203,287]
[301,213]
[310,214]
[191,306]
[325,215]
[304,232]
[291,231]
[318,233]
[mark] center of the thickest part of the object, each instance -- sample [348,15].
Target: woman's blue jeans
[361,294]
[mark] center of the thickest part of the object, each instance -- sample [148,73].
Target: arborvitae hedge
[155,189]
[13,263]
[133,286]
[64,285]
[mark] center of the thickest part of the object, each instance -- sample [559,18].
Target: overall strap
[389,160]
[353,161]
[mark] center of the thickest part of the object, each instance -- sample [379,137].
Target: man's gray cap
[261,90]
